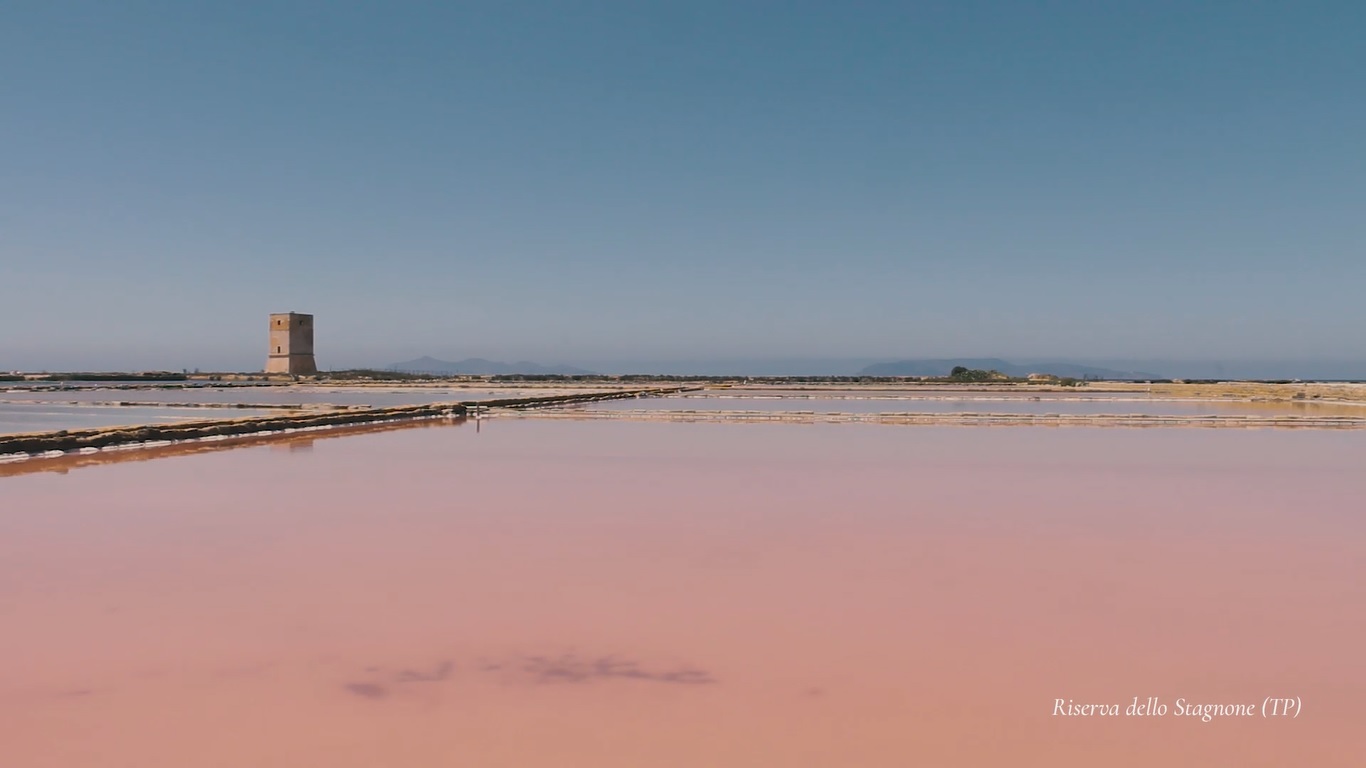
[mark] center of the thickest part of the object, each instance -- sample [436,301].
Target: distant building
[291,344]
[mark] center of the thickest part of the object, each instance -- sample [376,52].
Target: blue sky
[597,181]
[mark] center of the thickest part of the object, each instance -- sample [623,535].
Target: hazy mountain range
[942,367]
[477,366]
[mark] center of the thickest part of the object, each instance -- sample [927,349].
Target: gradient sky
[589,181]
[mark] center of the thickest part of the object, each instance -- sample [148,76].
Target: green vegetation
[972,375]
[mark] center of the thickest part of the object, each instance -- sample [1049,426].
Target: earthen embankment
[35,443]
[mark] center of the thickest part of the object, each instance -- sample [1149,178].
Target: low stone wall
[21,464]
[75,440]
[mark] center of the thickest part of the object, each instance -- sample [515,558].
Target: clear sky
[687,180]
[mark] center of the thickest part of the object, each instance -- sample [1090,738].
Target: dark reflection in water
[367,690]
[537,670]
[570,668]
[441,672]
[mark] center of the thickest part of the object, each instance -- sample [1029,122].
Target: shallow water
[976,402]
[43,417]
[268,395]
[628,594]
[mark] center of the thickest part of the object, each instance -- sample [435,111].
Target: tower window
[277,349]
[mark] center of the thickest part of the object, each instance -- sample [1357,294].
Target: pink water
[645,594]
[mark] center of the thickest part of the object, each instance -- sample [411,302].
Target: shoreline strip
[28,445]
[969,419]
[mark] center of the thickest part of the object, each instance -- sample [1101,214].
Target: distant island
[476,366]
[944,367]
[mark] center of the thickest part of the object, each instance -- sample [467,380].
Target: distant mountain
[943,367]
[475,366]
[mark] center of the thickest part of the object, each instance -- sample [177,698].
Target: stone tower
[291,344]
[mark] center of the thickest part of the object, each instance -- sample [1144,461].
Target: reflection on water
[44,417]
[301,442]
[625,594]
[273,395]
